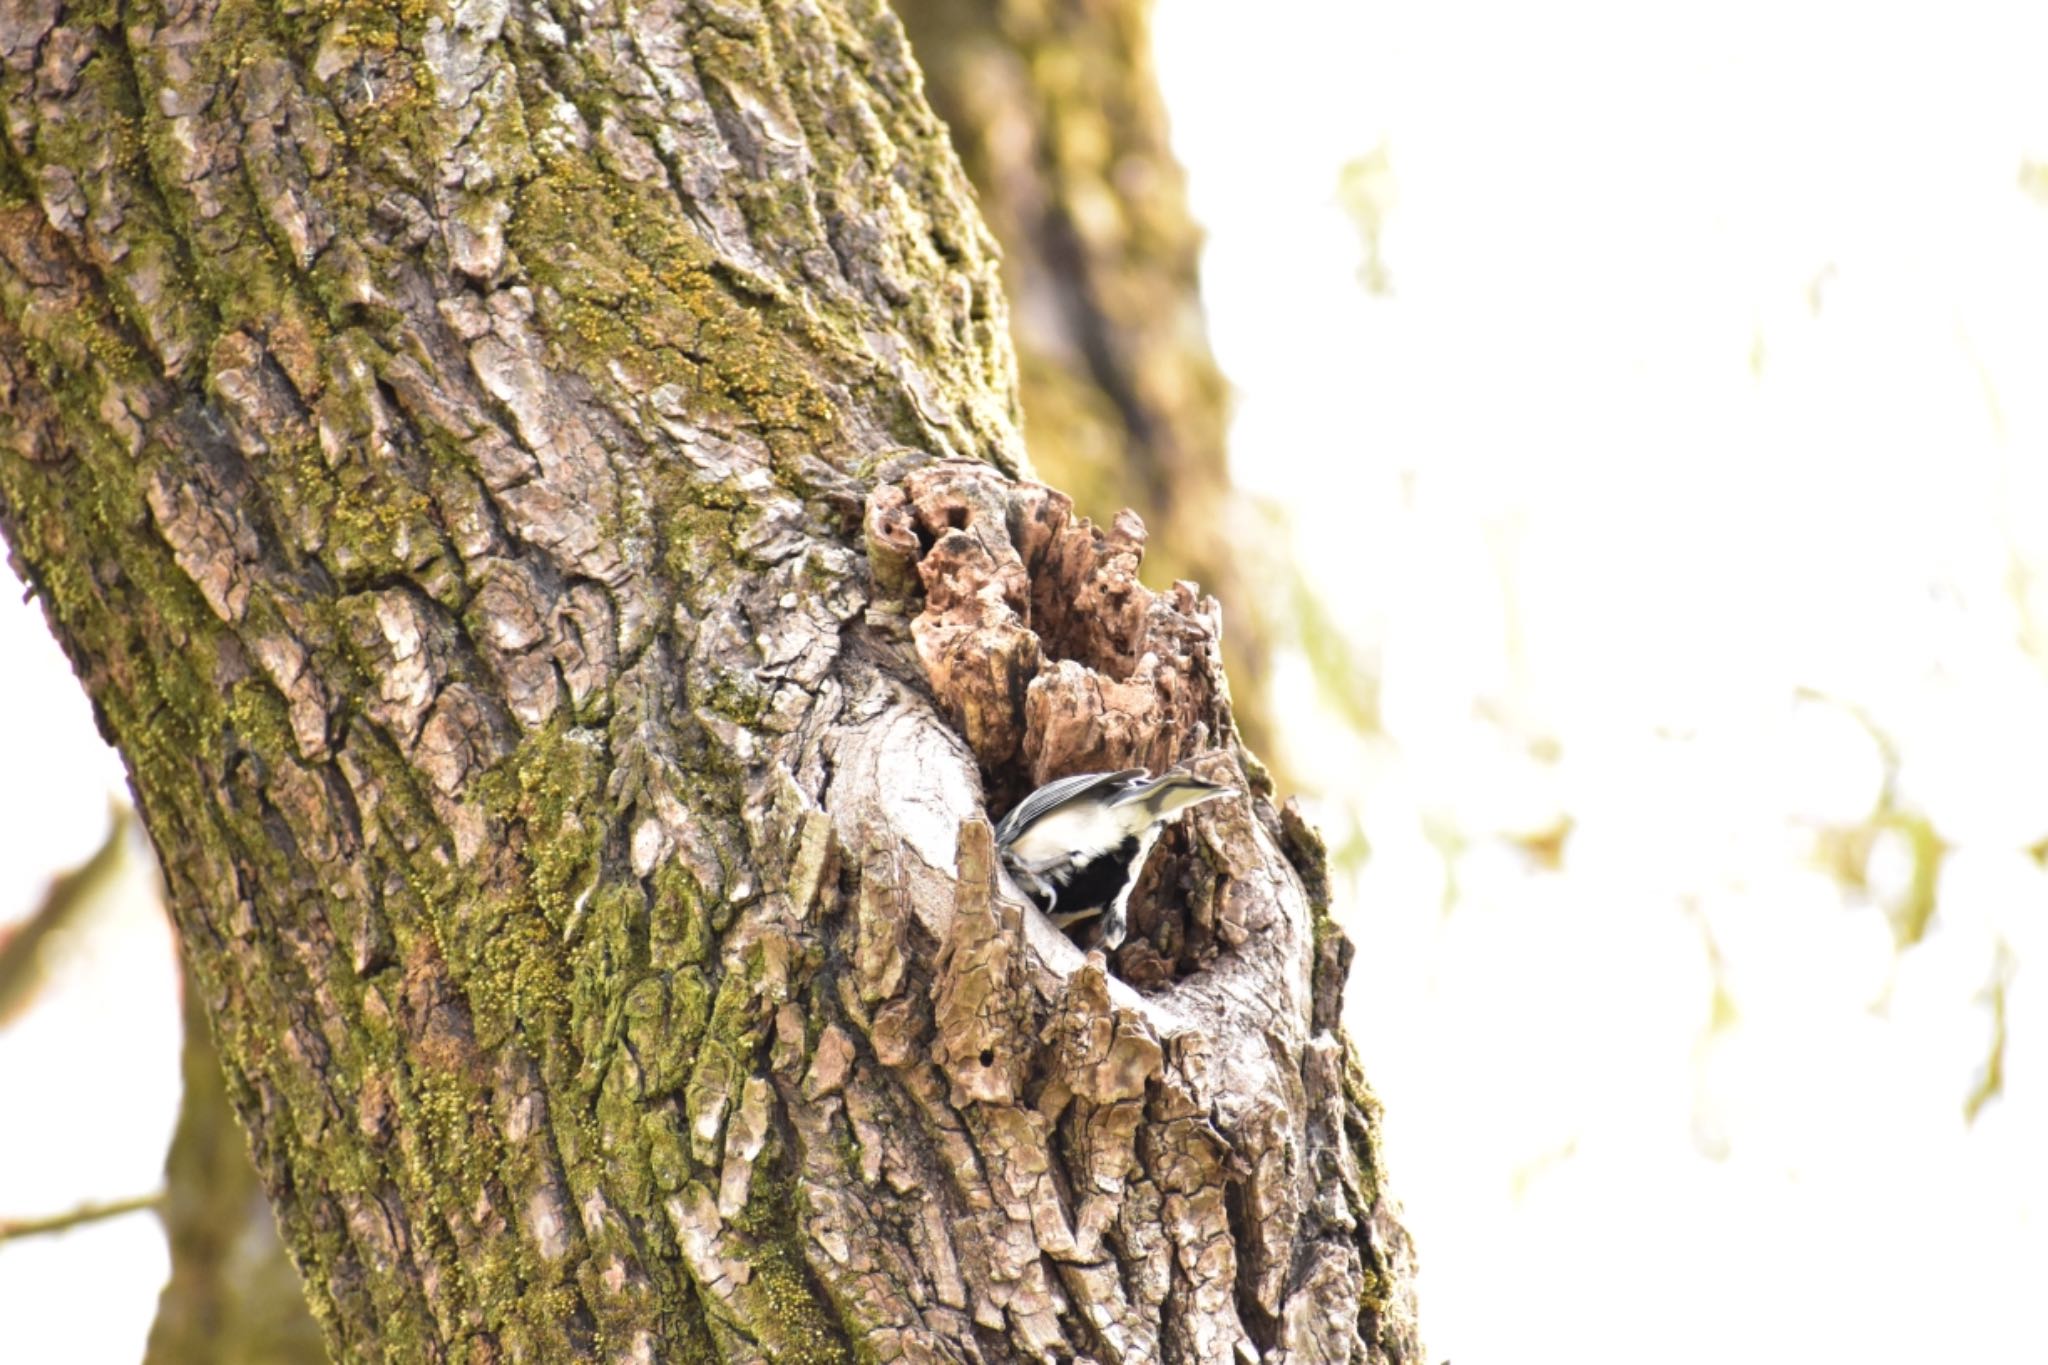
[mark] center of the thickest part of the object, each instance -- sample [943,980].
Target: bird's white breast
[1074,833]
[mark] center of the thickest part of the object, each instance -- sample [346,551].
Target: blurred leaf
[1991,1082]
[1367,193]
[1915,910]
[1844,852]
[2034,180]
[1545,847]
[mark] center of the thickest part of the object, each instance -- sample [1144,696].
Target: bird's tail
[1168,794]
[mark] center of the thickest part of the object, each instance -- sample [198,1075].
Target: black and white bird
[1077,844]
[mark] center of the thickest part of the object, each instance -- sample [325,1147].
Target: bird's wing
[1053,795]
[1169,793]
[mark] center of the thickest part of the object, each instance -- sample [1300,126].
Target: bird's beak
[1178,791]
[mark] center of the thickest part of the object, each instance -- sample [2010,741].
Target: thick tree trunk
[528,489]
[1059,124]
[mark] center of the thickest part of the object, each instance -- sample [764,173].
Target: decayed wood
[481,462]
[1058,118]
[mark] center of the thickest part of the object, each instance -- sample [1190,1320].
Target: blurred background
[1639,440]
[1653,403]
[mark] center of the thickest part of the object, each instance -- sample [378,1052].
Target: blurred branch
[1346,678]
[13,1228]
[21,969]
[234,1297]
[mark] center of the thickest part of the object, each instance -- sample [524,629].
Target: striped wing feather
[1055,794]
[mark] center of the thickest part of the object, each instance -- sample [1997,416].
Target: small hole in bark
[956,517]
[988,1056]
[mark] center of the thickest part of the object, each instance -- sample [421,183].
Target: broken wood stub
[1052,658]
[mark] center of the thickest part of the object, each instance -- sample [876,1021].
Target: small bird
[1077,844]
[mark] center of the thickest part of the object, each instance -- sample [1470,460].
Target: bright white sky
[1713,376]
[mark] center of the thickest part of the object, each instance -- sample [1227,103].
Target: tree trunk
[530,493]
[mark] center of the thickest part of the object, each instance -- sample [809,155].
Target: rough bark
[1056,114]
[530,492]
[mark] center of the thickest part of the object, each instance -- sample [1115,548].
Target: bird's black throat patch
[1097,881]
